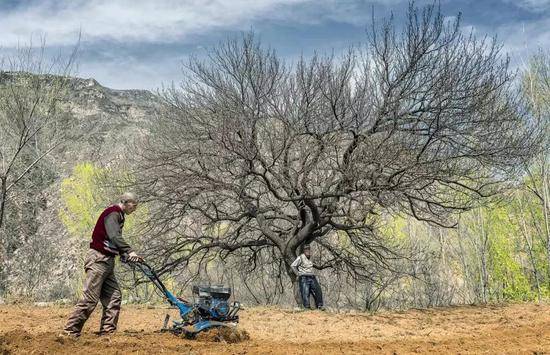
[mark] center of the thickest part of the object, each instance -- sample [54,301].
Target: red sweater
[100,238]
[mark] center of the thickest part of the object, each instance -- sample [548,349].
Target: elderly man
[303,268]
[100,283]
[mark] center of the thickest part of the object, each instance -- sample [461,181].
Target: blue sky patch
[141,44]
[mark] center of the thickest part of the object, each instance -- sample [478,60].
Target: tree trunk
[293,279]
[546,215]
[483,258]
[529,244]
[3,193]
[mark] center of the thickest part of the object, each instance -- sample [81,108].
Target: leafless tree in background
[536,86]
[255,158]
[33,88]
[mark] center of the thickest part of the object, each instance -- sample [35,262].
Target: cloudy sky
[142,43]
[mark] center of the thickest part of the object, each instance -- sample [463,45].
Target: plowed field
[513,329]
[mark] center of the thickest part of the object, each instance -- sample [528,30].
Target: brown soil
[224,334]
[513,329]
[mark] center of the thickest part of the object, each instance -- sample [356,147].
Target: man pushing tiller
[100,284]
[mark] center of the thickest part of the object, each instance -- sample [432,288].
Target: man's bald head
[128,197]
[128,202]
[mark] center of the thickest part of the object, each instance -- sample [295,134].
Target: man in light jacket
[303,268]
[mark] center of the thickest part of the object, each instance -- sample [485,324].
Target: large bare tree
[255,158]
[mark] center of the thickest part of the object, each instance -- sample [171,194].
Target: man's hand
[133,257]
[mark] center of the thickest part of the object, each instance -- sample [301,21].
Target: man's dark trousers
[310,285]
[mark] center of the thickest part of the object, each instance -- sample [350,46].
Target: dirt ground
[512,329]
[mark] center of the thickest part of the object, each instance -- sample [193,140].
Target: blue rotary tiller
[212,309]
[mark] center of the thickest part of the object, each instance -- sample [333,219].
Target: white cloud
[354,12]
[129,20]
[162,20]
[522,40]
[532,5]
[132,74]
